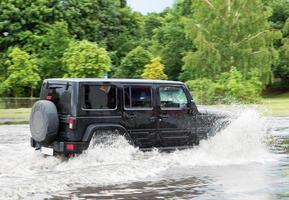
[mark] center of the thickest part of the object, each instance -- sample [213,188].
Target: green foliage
[85,59]
[129,36]
[230,34]
[280,13]
[229,87]
[22,72]
[51,48]
[152,21]
[36,26]
[205,38]
[133,64]
[281,68]
[154,70]
[170,41]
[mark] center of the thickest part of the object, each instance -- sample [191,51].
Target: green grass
[273,105]
[14,116]
[276,108]
[277,104]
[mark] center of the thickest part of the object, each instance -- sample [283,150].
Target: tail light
[71,122]
[49,98]
[70,147]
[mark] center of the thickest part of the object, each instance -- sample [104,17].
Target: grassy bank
[277,104]
[276,107]
[14,116]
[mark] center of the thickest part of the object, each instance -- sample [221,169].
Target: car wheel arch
[93,128]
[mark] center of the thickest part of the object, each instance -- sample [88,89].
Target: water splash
[23,172]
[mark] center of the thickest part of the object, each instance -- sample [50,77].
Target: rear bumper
[60,147]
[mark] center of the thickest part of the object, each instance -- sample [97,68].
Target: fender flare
[91,129]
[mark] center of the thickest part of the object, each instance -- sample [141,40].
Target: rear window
[99,97]
[138,97]
[60,95]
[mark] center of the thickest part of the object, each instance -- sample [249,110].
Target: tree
[22,21]
[109,23]
[229,87]
[51,48]
[152,21]
[279,20]
[129,36]
[280,13]
[281,69]
[170,41]
[133,64]
[229,34]
[85,59]
[154,70]
[22,72]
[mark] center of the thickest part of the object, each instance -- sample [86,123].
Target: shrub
[229,87]
[154,70]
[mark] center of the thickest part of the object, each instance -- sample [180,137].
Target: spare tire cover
[44,121]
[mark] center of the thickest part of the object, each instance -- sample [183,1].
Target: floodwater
[249,160]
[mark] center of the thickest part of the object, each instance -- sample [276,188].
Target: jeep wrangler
[148,113]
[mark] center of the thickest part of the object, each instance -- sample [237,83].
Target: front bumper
[60,147]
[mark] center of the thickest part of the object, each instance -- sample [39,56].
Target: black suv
[148,113]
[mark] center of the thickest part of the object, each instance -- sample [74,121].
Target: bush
[229,87]
[154,70]
[84,59]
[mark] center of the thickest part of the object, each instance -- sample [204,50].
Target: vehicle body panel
[145,126]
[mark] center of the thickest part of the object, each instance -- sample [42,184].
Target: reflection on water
[184,187]
[11,103]
[237,164]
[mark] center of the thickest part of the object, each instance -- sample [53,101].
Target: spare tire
[44,121]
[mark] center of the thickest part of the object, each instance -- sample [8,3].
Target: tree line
[222,48]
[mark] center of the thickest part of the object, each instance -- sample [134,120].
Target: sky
[145,6]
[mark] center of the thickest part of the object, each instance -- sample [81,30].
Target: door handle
[164,116]
[129,116]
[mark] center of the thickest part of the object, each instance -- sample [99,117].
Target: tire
[44,121]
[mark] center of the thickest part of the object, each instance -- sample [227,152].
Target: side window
[173,97]
[99,97]
[137,97]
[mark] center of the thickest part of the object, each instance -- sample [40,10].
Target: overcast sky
[145,6]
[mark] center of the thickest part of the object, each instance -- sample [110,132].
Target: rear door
[139,114]
[99,104]
[175,121]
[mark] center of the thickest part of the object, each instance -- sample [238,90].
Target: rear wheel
[107,138]
[103,137]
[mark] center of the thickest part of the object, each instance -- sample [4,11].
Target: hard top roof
[111,80]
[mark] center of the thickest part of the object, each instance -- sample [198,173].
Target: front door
[176,125]
[139,114]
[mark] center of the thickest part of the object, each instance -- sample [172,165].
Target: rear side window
[60,95]
[138,97]
[99,97]
[173,97]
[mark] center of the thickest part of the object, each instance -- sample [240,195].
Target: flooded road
[248,160]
